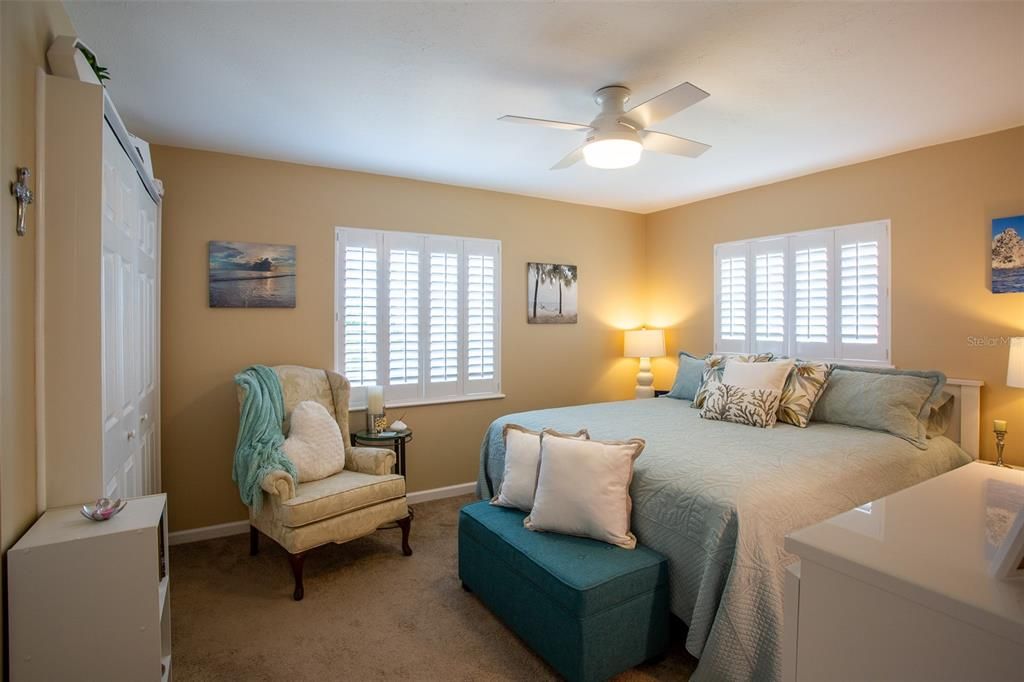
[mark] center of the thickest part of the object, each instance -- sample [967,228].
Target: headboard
[965,426]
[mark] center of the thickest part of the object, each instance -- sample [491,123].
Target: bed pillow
[714,367]
[522,459]
[688,377]
[771,375]
[740,405]
[583,488]
[314,443]
[940,415]
[803,388]
[890,400]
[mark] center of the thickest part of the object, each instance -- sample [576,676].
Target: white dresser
[899,589]
[89,600]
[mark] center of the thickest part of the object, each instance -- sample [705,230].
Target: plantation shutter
[769,298]
[417,314]
[482,267]
[813,308]
[444,255]
[731,286]
[404,256]
[359,254]
[863,291]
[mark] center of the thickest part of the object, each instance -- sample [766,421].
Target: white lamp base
[644,380]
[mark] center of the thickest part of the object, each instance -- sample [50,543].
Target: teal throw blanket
[258,448]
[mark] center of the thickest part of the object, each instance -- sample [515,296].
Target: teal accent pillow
[688,377]
[891,400]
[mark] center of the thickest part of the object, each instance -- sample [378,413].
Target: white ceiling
[414,90]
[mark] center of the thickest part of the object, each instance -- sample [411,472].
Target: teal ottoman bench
[591,610]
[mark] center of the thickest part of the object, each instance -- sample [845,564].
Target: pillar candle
[375,399]
[999,426]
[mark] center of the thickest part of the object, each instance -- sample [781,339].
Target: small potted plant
[69,57]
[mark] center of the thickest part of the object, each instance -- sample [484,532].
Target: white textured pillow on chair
[583,488]
[314,443]
[522,460]
[767,375]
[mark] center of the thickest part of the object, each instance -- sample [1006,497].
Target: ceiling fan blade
[570,159]
[670,144]
[560,125]
[667,103]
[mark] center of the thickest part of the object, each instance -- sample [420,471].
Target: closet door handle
[143,417]
[131,434]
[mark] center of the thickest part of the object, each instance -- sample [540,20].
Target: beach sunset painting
[245,275]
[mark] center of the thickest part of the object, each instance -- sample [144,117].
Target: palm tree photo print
[551,293]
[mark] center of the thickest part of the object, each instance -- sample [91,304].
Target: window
[822,294]
[418,314]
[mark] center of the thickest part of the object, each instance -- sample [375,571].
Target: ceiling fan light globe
[613,153]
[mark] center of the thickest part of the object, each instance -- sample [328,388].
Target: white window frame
[424,392]
[834,350]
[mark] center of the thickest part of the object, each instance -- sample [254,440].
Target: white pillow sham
[522,460]
[767,375]
[314,443]
[583,488]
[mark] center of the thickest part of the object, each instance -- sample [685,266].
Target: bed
[717,500]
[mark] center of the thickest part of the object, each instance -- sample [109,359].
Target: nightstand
[396,439]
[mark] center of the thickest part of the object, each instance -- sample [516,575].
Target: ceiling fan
[617,138]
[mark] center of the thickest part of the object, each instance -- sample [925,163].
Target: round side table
[397,439]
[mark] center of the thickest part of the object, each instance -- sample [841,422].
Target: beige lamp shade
[1015,366]
[646,343]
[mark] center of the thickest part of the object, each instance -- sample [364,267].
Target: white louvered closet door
[130,319]
[812,263]
[863,291]
[769,296]
[732,271]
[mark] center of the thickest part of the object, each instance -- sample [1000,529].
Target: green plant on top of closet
[102,73]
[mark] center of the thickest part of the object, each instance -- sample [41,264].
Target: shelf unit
[91,600]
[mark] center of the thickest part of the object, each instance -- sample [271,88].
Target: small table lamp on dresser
[1014,379]
[645,344]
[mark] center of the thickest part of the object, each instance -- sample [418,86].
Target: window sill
[433,401]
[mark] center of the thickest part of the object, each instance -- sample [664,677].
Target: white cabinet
[90,600]
[100,303]
[899,589]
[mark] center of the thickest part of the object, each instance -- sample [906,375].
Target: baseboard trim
[221,530]
[181,537]
[441,493]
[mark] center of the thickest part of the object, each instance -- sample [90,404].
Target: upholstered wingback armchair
[339,508]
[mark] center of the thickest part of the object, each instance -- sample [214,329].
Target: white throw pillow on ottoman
[314,443]
[583,488]
[522,460]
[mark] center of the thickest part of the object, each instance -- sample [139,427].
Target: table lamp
[1014,379]
[645,344]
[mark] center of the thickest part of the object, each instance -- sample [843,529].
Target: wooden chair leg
[254,541]
[297,561]
[405,524]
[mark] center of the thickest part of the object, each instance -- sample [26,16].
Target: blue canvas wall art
[1008,255]
[245,275]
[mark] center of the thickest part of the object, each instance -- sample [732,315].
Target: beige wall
[219,196]
[27,29]
[941,201]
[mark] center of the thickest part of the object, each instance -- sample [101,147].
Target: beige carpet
[369,613]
